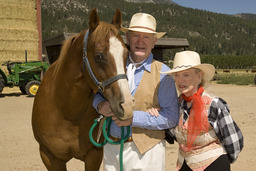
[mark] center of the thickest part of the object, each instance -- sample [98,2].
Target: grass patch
[235,78]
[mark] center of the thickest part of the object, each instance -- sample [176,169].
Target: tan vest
[146,97]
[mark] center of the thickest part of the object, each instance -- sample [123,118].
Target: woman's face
[187,81]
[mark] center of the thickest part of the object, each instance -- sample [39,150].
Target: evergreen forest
[217,37]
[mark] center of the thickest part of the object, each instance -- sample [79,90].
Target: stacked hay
[18,30]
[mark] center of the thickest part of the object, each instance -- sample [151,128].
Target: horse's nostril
[121,105]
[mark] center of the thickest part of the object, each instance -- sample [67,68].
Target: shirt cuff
[97,99]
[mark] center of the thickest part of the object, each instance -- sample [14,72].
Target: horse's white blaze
[116,49]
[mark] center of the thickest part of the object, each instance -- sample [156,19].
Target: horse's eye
[99,57]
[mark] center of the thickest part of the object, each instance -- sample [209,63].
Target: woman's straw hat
[190,59]
[142,22]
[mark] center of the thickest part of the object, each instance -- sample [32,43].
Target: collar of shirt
[146,64]
[186,111]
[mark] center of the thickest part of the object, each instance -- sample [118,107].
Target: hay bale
[18,34]
[17,12]
[27,3]
[18,55]
[18,30]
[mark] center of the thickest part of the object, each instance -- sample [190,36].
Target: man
[151,90]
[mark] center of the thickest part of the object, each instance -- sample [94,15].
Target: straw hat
[143,22]
[190,59]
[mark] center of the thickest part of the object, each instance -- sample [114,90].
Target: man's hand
[104,109]
[120,123]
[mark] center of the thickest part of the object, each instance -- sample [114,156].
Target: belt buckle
[119,139]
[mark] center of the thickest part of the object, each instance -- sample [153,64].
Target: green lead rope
[107,139]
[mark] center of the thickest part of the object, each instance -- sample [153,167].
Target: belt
[119,139]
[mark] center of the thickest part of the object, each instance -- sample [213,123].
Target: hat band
[143,28]
[186,66]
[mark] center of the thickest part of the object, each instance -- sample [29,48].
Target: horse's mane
[63,53]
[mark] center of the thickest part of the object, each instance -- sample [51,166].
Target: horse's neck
[72,89]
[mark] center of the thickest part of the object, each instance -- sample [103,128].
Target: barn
[52,47]
[20,30]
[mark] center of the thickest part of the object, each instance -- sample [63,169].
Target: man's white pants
[152,160]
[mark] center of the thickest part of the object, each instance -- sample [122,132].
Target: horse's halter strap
[101,85]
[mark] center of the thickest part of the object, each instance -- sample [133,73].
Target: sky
[221,6]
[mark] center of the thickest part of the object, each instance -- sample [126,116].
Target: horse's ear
[117,19]
[93,20]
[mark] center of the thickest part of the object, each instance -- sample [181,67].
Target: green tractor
[25,75]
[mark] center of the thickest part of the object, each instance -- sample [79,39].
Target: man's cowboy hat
[143,22]
[190,59]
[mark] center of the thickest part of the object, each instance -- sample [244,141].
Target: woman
[208,137]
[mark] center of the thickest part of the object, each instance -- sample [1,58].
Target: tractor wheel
[1,83]
[31,88]
[23,89]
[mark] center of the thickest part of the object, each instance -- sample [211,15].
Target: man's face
[140,44]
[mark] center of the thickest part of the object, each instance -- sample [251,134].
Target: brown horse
[62,112]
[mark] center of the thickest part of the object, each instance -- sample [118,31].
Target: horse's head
[107,56]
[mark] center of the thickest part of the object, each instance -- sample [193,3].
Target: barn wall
[18,30]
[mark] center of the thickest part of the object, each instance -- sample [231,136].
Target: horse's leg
[93,159]
[51,162]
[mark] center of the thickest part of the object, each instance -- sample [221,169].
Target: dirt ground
[19,150]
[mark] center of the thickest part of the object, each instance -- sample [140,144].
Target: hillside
[246,16]
[151,1]
[207,32]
